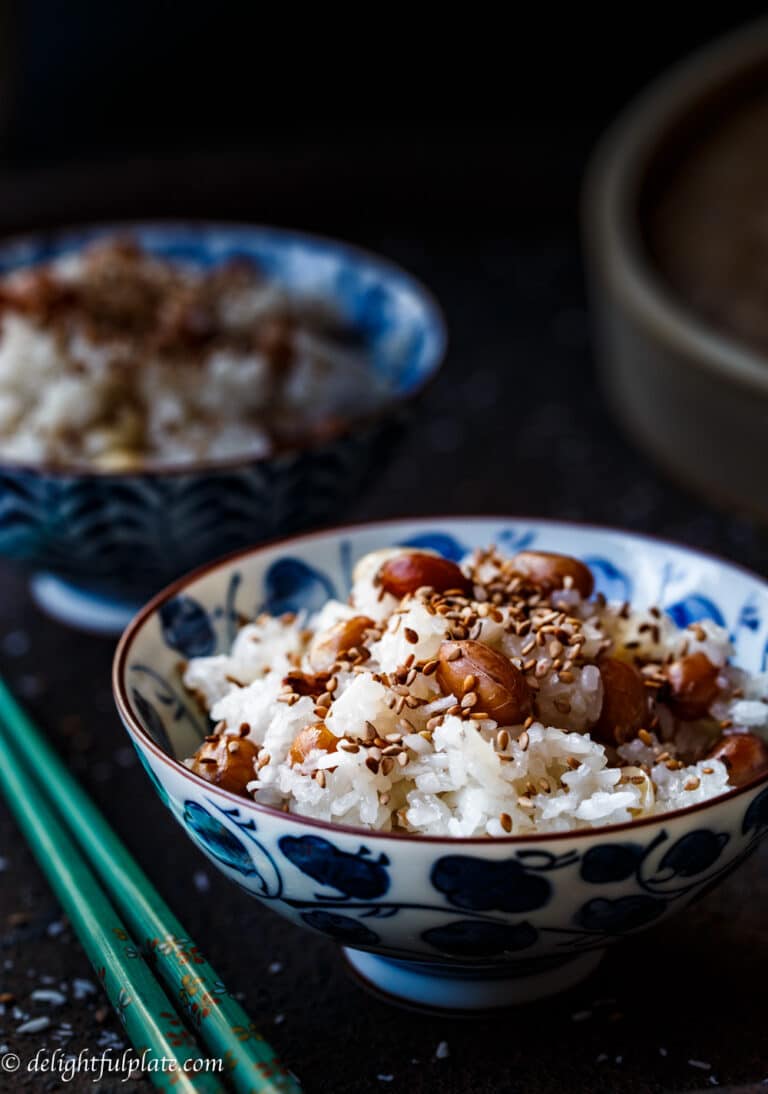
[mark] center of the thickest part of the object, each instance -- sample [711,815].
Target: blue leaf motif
[626,913]
[290,585]
[749,616]
[341,927]
[153,723]
[756,816]
[694,853]
[354,875]
[610,862]
[444,544]
[693,608]
[511,540]
[186,627]
[218,840]
[480,885]
[612,582]
[480,938]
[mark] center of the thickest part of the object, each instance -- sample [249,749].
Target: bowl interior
[401,325]
[200,615]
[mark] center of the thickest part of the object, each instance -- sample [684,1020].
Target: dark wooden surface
[515,425]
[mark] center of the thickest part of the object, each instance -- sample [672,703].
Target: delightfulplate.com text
[123,1066]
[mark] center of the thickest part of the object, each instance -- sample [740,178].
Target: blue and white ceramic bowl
[460,924]
[106,541]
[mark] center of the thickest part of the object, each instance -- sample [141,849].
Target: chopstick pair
[113,906]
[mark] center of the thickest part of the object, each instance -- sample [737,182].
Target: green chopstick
[131,988]
[219,1020]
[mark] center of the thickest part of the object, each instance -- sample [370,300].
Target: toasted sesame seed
[523,740]
[645,737]
[692,784]
[505,821]
[453,654]
[372,765]
[411,635]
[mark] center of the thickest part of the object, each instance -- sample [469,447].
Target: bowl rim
[613,183]
[433,313]
[132,721]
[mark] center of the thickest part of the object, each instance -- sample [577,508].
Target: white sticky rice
[453,776]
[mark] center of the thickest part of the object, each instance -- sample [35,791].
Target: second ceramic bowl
[102,542]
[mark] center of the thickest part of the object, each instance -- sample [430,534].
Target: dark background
[381,119]
[456,147]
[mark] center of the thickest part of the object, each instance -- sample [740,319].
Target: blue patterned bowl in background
[107,541]
[460,924]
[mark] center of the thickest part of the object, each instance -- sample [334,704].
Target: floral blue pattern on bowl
[125,535]
[459,924]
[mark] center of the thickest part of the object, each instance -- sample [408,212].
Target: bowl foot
[81,607]
[456,989]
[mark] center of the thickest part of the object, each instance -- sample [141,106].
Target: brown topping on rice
[405,573]
[501,689]
[744,754]
[311,738]
[692,686]
[624,702]
[228,761]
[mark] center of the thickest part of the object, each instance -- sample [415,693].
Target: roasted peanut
[550,571]
[692,686]
[500,688]
[316,736]
[332,644]
[307,683]
[406,573]
[227,761]
[625,702]
[744,754]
